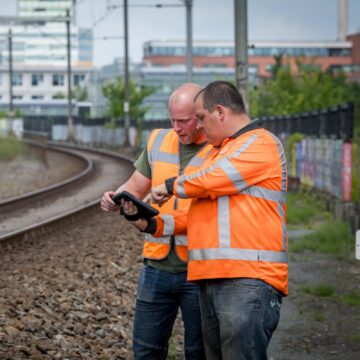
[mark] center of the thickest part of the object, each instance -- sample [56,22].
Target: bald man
[163,287]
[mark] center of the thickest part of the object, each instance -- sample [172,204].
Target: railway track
[39,209]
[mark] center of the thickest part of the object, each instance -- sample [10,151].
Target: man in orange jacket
[236,226]
[163,287]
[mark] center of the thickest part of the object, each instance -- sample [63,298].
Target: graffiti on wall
[324,164]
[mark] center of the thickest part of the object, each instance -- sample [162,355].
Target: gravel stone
[71,295]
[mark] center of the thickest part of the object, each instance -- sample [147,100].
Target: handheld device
[145,211]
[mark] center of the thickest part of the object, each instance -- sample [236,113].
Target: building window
[341,69]
[253,69]
[218,65]
[17,97]
[58,80]
[309,67]
[16,80]
[37,97]
[37,79]
[79,80]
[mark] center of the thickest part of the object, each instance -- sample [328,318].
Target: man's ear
[220,112]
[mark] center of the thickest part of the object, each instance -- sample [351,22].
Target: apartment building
[39,56]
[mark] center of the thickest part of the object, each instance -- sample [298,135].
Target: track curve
[109,170]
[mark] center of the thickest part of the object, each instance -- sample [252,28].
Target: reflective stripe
[196,161]
[267,194]
[282,161]
[242,148]
[169,224]
[283,225]
[165,157]
[159,138]
[180,188]
[180,180]
[160,240]
[181,240]
[239,254]
[224,221]
[231,170]
[233,174]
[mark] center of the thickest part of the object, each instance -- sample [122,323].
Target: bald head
[182,113]
[184,95]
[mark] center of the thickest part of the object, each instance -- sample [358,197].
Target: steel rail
[66,215]
[17,200]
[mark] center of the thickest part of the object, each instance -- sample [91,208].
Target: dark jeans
[159,297]
[238,318]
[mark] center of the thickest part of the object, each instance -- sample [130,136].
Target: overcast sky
[212,20]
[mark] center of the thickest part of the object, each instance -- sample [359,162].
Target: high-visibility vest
[236,223]
[163,150]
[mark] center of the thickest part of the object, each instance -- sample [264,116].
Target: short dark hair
[222,93]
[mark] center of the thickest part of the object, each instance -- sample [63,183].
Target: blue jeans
[238,318]
[159,297]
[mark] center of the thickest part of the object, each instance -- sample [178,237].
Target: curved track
[105,171]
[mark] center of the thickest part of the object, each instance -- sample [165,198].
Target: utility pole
[70,134]
[126,78]
[189,55]
[241,48]
[11,106]
[342,19]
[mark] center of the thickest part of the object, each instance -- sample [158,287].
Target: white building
[48,8]
[39,55]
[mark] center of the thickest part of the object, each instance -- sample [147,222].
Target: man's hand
[130,209]
[107,204]
[140,224]
[160,195]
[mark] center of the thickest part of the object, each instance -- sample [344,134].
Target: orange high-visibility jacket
[163,150]
[236,223]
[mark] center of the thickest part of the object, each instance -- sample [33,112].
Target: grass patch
[321,290]
[318,317]
[303,210]
[355,338]
[327,291]
[10,147]
[331,238]
[351,298]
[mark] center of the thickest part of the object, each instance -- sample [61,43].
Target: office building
[325,55]
[39,56]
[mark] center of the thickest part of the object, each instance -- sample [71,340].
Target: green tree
[114,92]
[59,95]
[79,93]
[311,89]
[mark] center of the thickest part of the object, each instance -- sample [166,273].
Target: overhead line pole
[126,77]
[11,105]
[70,134]
[189,54]
[241,48]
